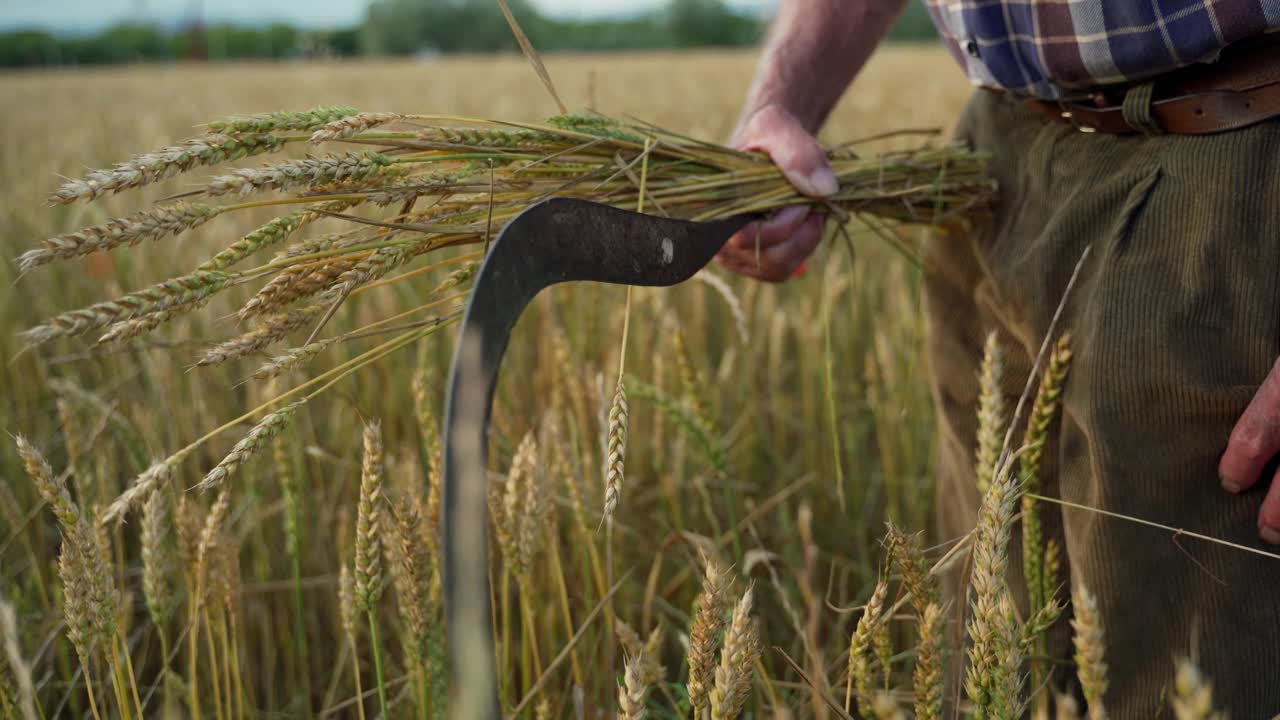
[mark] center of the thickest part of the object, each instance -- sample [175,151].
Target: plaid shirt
[1056,49]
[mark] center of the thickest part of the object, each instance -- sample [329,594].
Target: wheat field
[772,433]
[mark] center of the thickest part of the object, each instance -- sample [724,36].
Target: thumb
[793,149]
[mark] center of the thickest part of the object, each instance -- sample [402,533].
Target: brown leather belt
[1241,88]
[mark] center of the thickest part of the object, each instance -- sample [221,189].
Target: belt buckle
[1065,108]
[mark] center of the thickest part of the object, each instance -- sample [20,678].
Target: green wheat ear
[1040,585]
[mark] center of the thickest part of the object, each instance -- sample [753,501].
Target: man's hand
[812,51]
[1254,442]
[775,248]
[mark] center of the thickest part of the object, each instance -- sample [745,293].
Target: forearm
[813,51]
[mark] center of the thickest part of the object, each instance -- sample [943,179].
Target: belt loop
[1136,109]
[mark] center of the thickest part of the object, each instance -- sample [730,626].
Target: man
[1172,409]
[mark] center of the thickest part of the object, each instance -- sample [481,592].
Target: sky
[83,15]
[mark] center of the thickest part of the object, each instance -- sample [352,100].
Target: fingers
[801,245]
[741,252]
[1269,516]
[778,261]
[793,148]
[1254,441]
[776,229]
[1255,438]
[772,250]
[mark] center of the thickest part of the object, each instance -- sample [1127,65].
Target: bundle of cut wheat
[397,187]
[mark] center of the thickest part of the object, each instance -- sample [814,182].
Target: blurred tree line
[412,27]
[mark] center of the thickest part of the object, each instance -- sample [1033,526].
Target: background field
[850,331]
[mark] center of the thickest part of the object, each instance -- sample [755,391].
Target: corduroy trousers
[1175,321]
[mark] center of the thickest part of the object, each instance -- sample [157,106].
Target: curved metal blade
[557,240]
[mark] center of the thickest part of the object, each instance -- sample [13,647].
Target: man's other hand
[774,249]
[1254,443]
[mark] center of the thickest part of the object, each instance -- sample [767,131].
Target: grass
[759,472]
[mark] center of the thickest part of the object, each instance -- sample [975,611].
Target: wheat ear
[885,707]
[986,679]
[704,636]
[19,668]
[1091,665]
[257,438]
[369,576]
[90,600]
[991,412]
[343,128]
[1193,693]
[52,490]
[159,562]
[737,660]
[143,488]
[616,449]
[1043,412]
[861,679]
[634,690]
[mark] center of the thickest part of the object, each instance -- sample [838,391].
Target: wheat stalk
[717,283]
